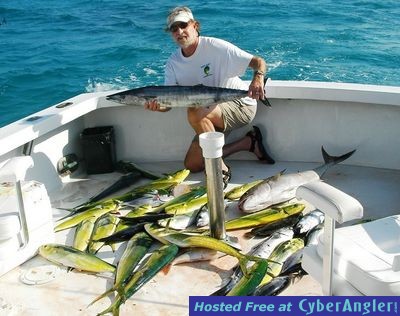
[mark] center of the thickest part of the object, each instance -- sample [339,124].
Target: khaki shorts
[236,114]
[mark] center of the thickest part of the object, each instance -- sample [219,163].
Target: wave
[99,85]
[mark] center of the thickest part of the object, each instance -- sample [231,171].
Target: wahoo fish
[282,187]
[179,96]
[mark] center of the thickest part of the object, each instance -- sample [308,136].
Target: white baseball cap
[179,14]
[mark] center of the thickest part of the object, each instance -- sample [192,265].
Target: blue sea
[53,50]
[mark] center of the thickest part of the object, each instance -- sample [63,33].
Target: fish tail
[328,159]
[225,288]
[98,298]
[265,101]
[331,160]
[113,308]
[115,312]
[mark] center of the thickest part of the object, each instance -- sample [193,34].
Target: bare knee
[194,115]
[194,160]
[194,165]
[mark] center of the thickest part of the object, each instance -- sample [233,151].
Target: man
[214,62]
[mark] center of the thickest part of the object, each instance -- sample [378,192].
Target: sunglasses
[179,25]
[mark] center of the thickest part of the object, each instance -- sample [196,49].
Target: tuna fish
[282,187]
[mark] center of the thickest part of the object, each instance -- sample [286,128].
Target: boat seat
[366,257]
[25,214]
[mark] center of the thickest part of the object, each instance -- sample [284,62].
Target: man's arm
[256,88]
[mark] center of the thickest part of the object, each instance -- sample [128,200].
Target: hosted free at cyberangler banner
[297,305]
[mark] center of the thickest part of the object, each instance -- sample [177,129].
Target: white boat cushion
[14,169]
[333,202]
[367,255]
[312,263]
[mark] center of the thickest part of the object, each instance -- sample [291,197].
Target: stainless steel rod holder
[327,266]
[211,144]
[22,215]
[215,194]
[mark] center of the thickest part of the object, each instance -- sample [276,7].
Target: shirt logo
[206,70]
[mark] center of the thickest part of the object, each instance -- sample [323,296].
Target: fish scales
[262,250]
[154,263]
[282,187]
[279,255]
[73,258]
[177,96]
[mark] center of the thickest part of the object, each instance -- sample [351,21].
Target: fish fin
[166,269]
[224,289]
[335,159]
[113,308]
[115,312]
[265,100]
[273,261]
[98,298]
[249,235]
[168,224]
[277,176]
[242,264]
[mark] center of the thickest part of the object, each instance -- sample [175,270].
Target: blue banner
[293,305]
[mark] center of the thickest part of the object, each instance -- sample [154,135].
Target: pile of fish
[157,227]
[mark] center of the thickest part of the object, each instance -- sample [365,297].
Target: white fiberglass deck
[70,292]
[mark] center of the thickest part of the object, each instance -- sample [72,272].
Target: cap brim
[181,17]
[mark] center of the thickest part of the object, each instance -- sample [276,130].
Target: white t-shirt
[215,63]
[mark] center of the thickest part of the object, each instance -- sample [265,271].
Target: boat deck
[70,292]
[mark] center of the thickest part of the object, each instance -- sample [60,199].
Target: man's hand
[153,105]
[256,88]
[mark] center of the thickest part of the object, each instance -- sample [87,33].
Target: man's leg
[252,142]
[211,118]
[202,120]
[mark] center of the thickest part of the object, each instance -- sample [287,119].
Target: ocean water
[53,50]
